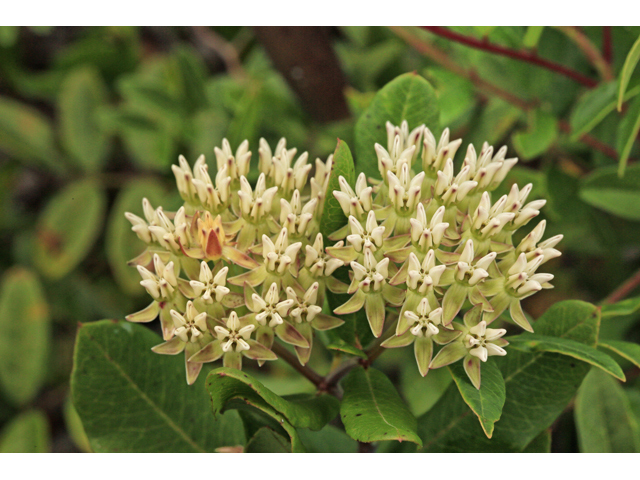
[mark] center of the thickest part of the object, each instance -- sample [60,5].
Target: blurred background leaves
[92,118]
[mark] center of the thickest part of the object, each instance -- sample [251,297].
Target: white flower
[371,275]
[433,156]
[234,338]
[532,248]
[269,310]
[488,221]
[140,226]
[404,191]
[279,256]
[514,203]
[522,281]
[255,204]
[422,277]
[356,203]
[184,178]
[213,197]
[480,341]
[472,272]
[288,177]
[305,309]
[209,287]
[451,190]
[238,164]
[265,156]
[320,181]
[295,217]
[402,148]
[428,235]
[487,169]
[318,262]
[163,283]
[191,327]
[424,321]
[370,237]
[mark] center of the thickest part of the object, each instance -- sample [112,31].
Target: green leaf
[605,190]
[120,389]
[26,335]
[531,342]
[627,350]
[26,433]
[604,419]
[624,307]
[332,215]
[487,402]
[267,441]
[408,97]
[627,69]
[542,133]
[27,135]
[302,411]
[540,444]
[532,36]
[627,133]
[81,95]
[68,227]
[539,386]
[122,244]
[342,346]
[592,108]
[372,410]
[328,440]
[74,427]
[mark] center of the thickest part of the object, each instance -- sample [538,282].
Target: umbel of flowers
[240,267]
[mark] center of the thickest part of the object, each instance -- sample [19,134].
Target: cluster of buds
[239,268]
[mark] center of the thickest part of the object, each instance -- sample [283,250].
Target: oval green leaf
[26,335]
[68,227]
[120,388]
[604,419]
[627,350]
[487,402]
[82,93]
[372,410]
[542,133]
[26,433]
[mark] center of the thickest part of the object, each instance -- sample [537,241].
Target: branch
[225,50]
[607,44]
[625,289]
[522,55]
[292,360]
[590,51]
[443,59]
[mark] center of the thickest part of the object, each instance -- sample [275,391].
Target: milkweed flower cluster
[239,265]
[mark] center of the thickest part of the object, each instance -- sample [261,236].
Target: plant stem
[522,55]
[590,51]
[292,360]
[607,45]
[443,59]
[225,50]
[625,289]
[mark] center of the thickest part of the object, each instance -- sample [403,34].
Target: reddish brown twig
[292,360]
[607,45]
[443,59]
[522,55]
[625,289]
[590,51]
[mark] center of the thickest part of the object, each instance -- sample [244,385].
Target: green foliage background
[92,118]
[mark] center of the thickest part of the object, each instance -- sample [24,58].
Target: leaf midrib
[373,397]
[150,402]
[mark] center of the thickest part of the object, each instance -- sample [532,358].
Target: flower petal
[423,349]
[145,315]
[210,353]
[449,354]
[472,367]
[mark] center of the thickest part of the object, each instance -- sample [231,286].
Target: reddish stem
[625,289]
[524,56]
[607,45]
